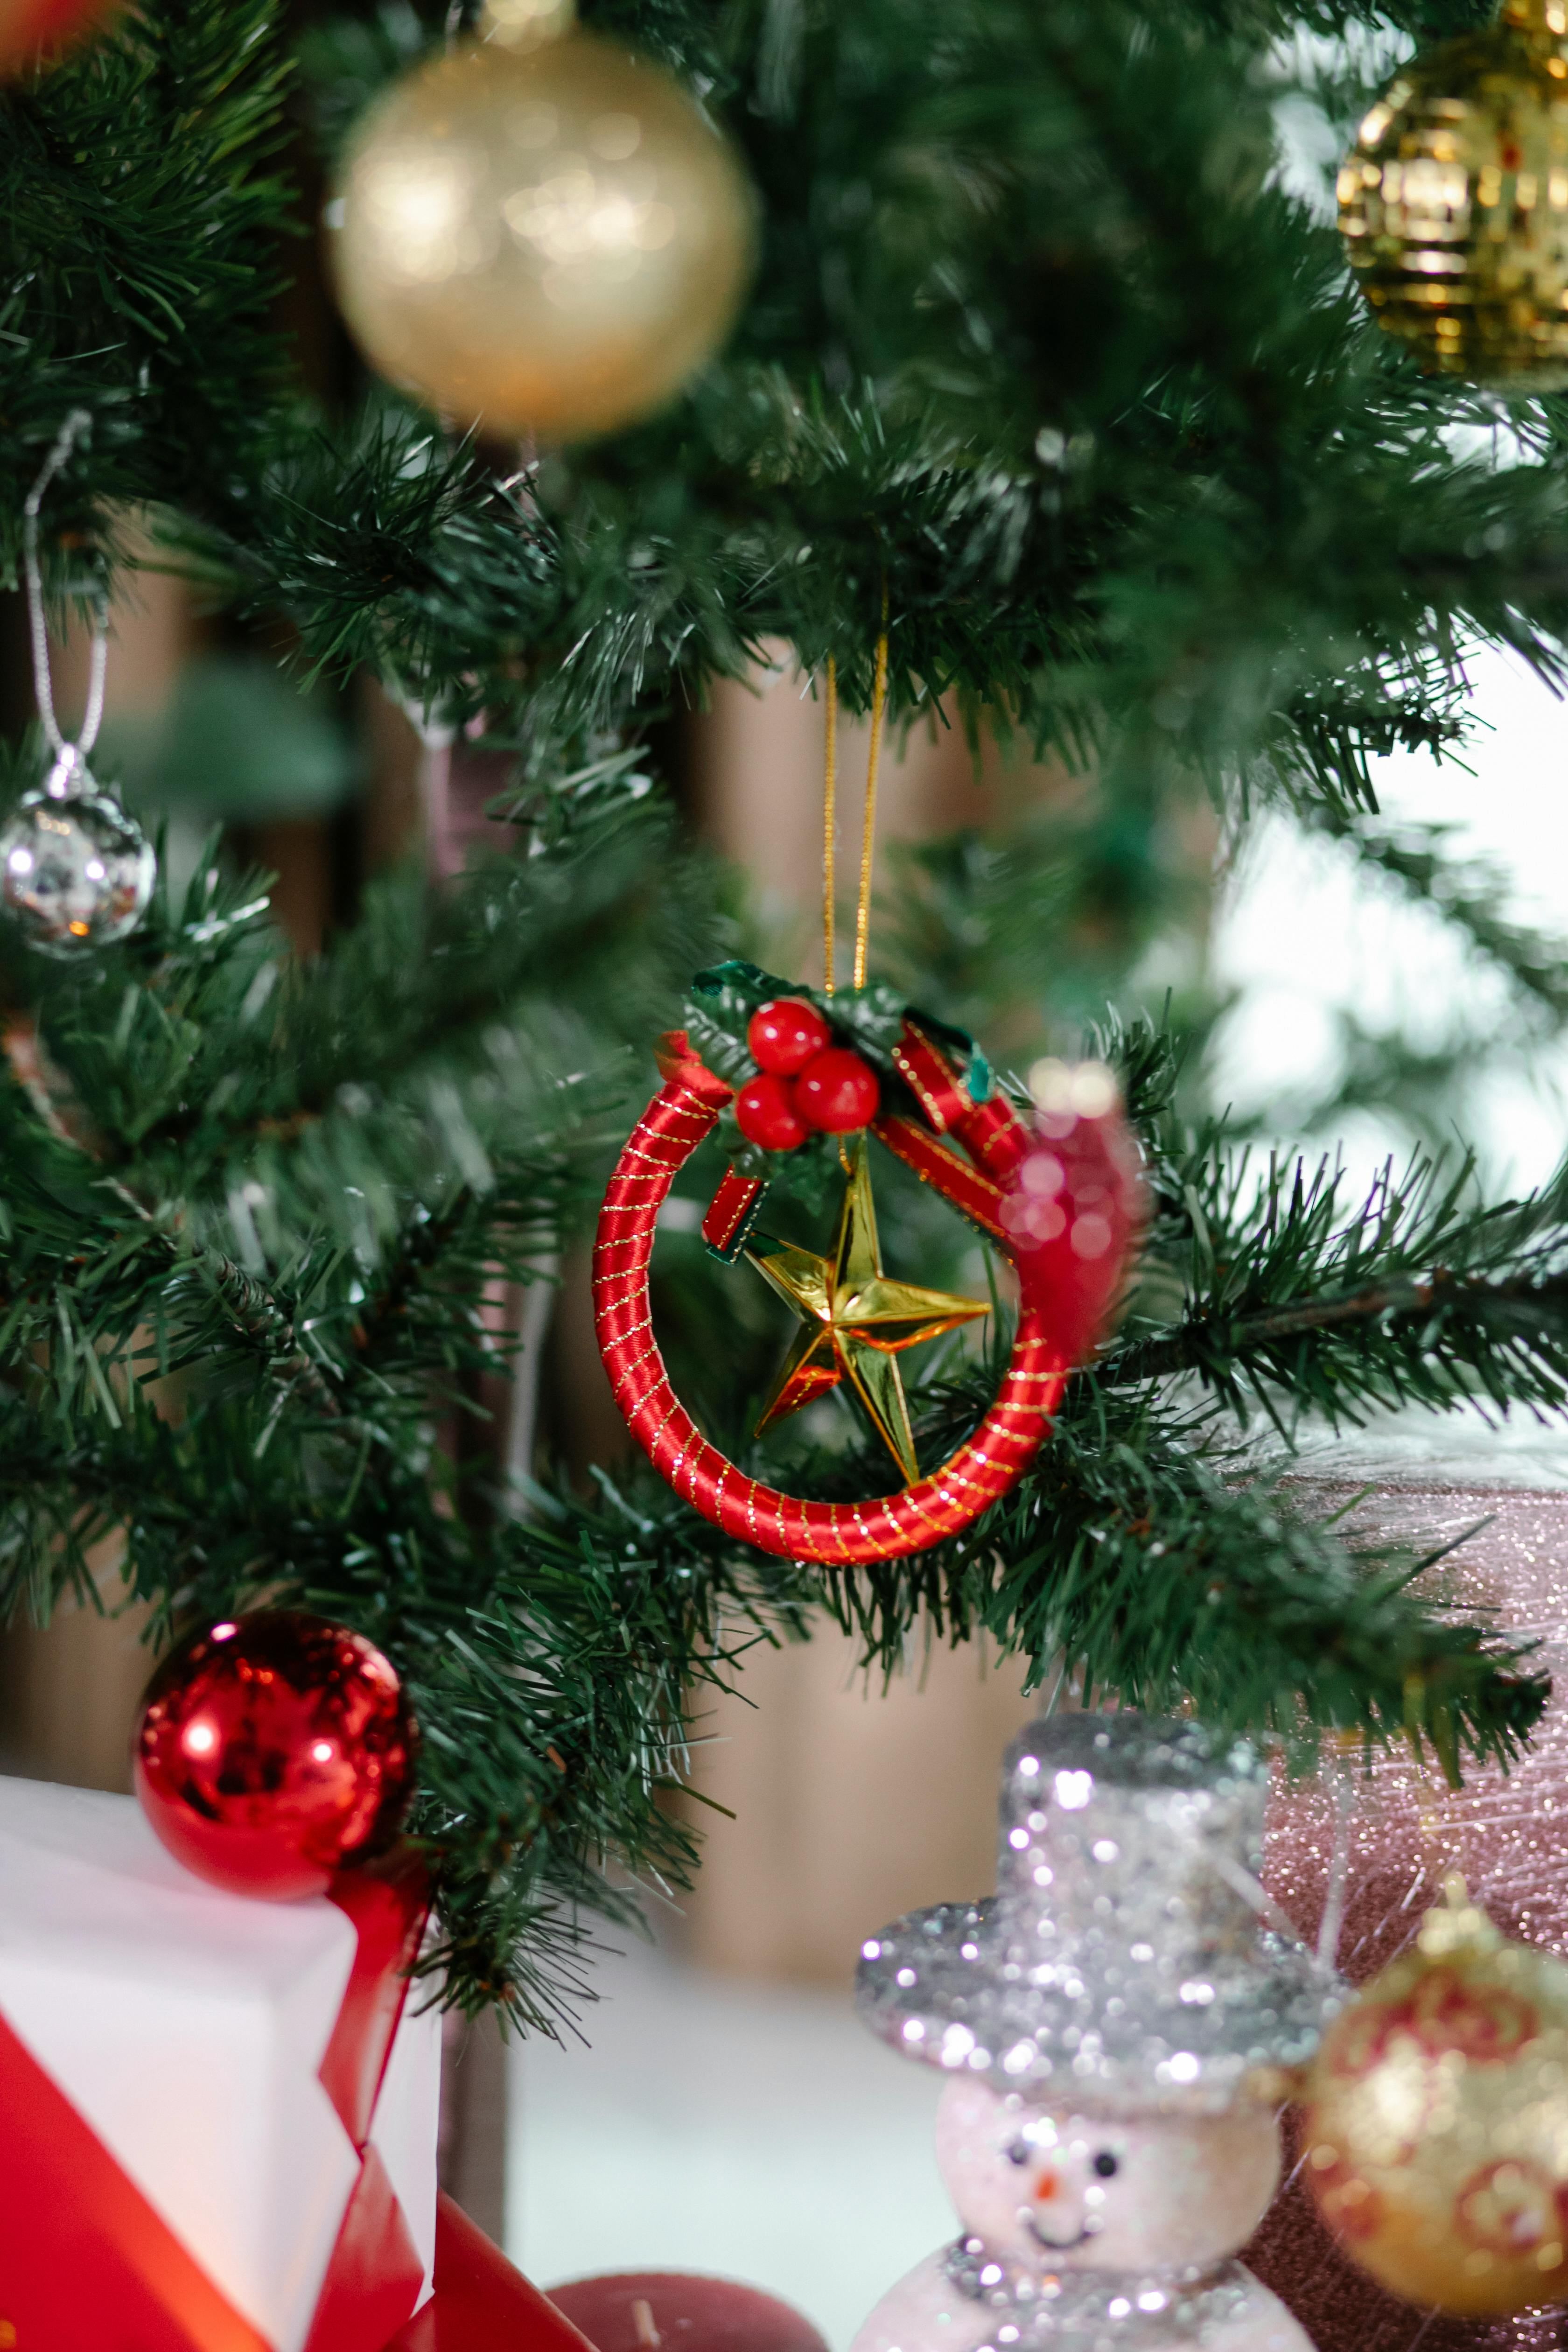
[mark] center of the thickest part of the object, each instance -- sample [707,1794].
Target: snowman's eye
[1020,2152]
[1106,2164]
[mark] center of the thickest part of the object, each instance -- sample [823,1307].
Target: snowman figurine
[1115,2028]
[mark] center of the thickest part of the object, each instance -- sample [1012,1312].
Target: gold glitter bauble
[1454,202]
[1436,2120]
[546,240]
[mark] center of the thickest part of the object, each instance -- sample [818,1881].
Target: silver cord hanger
[70,758]
[76,870]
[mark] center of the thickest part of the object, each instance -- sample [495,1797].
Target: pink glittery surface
[1508,1833]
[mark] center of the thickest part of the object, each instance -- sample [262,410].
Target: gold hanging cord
[868,821]
[868,827]
[829,823]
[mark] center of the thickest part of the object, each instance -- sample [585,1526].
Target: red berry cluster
[807,1082]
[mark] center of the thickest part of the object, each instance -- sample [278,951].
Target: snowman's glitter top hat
[1119,1965]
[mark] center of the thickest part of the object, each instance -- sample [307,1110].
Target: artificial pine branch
[1143,1554]
[1040,343]
[256,1101]
[142,206]
[1417,1293]
[551,1665]
[1072,260]
[1469,893]
[1443,1317]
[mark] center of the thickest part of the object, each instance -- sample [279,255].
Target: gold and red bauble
[1454,202]
[272,1750]
[1436,2121]
[540,232]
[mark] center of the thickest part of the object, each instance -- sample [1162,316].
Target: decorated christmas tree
[1003,364]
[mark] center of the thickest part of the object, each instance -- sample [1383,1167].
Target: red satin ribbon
[374,2278]
[729,1213]
[935,1085]
[680,1064]
[87,2264]
[481,2303]
[386,1904]
[937,1163]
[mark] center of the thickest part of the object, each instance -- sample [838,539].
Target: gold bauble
[1454,202]
[549,238]
[1436,2120]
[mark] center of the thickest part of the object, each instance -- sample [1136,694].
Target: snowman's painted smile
[1060,2245]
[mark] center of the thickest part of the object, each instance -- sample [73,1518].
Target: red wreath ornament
[1060,1197]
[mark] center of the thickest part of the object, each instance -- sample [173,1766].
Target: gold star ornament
[856,1322]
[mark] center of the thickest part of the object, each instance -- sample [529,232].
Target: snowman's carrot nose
[1045,2186]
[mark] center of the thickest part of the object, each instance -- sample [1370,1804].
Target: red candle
[666,2311]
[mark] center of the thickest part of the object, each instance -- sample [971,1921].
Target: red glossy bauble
[784,1033]
[838,1092]
[273,1749]
[766,1114]
[33,29]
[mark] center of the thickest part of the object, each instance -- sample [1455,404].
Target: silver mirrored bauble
[75,870]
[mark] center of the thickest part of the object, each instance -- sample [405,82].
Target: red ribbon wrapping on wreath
[1066,1297]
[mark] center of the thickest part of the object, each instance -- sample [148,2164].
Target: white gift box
[186,2029]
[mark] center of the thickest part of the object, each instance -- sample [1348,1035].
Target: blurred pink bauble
[1074,1205]
[1508,1834]
[666,2311]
